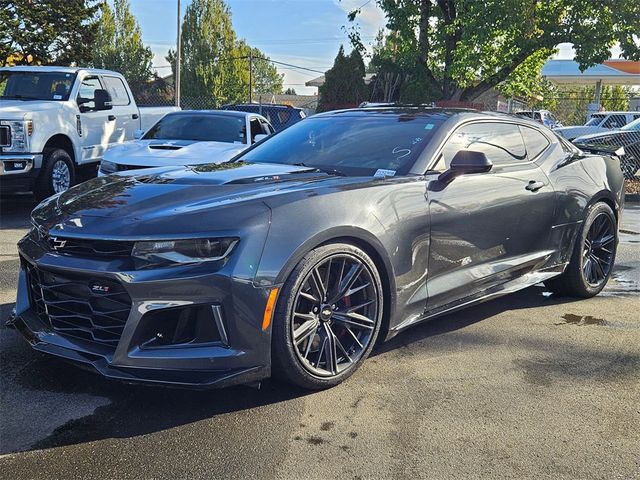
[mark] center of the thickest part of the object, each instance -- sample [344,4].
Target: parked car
[541,116]
[627,137]
[599,122]
[190,137]
[280,116]
[296,257]
[54,120]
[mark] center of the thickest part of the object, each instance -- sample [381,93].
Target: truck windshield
[595,120]
[35,85]
[200,128]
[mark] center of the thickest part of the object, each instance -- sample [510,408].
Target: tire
[593,256]
[57,174]
[353,304]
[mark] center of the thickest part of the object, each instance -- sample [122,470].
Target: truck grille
[5,136]
[91,309]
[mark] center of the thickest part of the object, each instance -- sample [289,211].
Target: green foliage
[47,31]
[118,46]
[214,63]
[572,103]
[462,48]
[344,82]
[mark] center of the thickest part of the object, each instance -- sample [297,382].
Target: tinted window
[353,144]
[615,121]
[534,140]
[118,91]
[87,91]
[36,85]
[202,128]
[500,142]
[256,129]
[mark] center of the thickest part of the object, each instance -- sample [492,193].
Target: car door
[124,109]
[97,126]
[486,228]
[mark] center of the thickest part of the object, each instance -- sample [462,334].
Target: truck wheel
[57,174]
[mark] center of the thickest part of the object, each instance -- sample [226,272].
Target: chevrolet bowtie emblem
[57,244]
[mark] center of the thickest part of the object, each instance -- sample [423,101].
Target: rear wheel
[328,317]
[593,255]
[57,174]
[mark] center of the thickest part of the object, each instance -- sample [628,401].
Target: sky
[306,33]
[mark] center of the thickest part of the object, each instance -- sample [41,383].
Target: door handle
[534,186]
[135,116]
[111,118]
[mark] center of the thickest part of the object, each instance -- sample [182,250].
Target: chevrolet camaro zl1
[295,258]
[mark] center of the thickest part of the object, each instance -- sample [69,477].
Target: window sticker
[383,172]
[429,126]
[57,97]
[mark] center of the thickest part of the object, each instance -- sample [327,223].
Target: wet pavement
[527,386]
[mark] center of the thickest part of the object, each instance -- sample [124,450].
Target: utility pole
[176,80]
[250,76]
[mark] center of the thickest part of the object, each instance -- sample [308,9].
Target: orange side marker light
[268,310]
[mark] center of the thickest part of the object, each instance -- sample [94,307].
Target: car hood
[161,195]
[579,130]
[159,153]
[610,137]
[17,109]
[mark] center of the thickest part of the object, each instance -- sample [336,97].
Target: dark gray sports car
[296,257]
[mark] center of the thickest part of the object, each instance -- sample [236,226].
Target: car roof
[225,113]
[466,113]
[262,105]
[56,69]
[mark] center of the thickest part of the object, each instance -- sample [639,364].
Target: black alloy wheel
[329,314]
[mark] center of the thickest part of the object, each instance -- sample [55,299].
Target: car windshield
[352,144]
[200,128]
[595,120]
[35,85]
[633,126]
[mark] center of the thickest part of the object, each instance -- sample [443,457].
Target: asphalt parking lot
[527,386]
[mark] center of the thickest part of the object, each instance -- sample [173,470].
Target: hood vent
[165,147]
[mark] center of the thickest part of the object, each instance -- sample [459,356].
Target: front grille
[89,248]
[5,136]
[91,309]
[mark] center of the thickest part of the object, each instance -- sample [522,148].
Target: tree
[118,46]
[462,48]
[344,82]
[573,103]
[290,91]
[47,31]
[265,76]
[211,63]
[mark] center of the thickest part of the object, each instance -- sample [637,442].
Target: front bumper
[18,172]
[241,355]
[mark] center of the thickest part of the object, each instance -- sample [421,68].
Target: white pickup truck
[54,120]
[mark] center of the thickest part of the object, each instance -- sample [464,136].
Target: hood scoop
[165,147]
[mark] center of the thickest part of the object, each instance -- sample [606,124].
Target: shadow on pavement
[15,211]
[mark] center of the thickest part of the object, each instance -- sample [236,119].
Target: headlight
[108,167]
[20,133]
[194,250]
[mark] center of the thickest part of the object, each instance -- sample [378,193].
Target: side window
[501,142]
[615,121]
[87,92]
[118,91]
[534,141]
[256,129]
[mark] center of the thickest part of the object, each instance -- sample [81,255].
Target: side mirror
[466,162]
[137,135]
[102,100]
[260,136]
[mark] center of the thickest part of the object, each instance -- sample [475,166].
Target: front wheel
[57,174]
[328,317]
[593,255]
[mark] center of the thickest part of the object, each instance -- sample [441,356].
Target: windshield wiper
[329,171]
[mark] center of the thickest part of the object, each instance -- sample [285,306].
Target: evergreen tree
[344,84]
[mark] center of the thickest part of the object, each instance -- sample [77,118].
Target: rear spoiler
[602,149]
